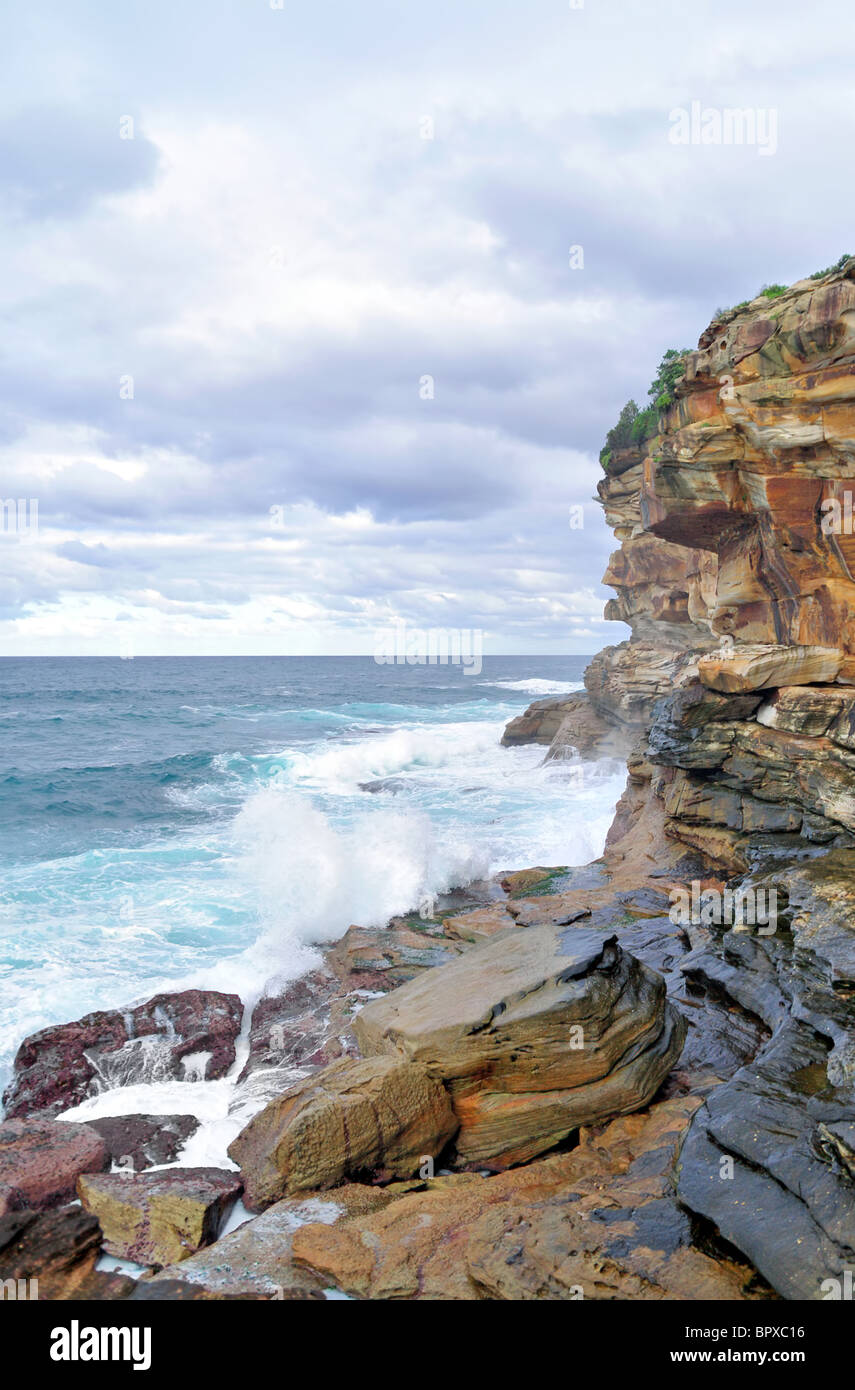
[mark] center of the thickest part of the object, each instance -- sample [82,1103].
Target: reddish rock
[41,1160]
[136,1142]
[60,1066]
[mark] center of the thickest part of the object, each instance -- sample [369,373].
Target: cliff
[735,574]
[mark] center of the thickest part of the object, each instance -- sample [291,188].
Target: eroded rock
[379,1118]
[534,1034]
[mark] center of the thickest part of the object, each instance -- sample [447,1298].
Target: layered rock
[599,1222]
[746,765]
[534,1033]
[381,1117]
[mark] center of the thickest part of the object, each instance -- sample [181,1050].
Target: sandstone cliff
[735,575]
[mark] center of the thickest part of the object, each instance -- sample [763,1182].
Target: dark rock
[60,1066]
[135,1142]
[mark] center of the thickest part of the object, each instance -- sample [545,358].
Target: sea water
[168,822]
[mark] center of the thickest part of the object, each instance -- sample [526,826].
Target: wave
[539,686]
[312,878]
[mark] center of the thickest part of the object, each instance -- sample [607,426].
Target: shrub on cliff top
[634,426]
[829,269]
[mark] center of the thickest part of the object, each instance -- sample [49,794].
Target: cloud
[280,368]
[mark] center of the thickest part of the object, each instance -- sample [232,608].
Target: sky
[314,317]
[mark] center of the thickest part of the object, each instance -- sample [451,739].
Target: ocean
[168,822]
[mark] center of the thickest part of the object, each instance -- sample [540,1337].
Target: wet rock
[380,1118]
[534,1034]
[136,1142]
[383,960]
[540,722]
[256,1258]
[163,1217]
[186,1036]
[301,1026]
[41,1160]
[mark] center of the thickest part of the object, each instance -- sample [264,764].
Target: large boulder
[354,1119]
[41,1160]
[162,1217]
[534,1034]
[186,1036]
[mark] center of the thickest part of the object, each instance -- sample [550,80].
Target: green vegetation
[634,425]
[838,265]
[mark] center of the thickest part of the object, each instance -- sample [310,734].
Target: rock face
[187,1036]
[599,1222]
[534,1034]
[378,1118]
[41,1160]
[737,549]
[566,725]
[163,1217]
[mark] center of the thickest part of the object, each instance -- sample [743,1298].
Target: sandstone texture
[379,1117]
[745,774]
[534,1034]
[599,1222]
[159,1218]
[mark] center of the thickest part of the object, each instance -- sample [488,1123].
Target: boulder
[534,1034]
[186,1036]
[297,1027]
[41,1160]
[162,1217]
[135,1142]
[378,1118]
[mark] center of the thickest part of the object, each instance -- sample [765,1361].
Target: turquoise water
[166,821]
